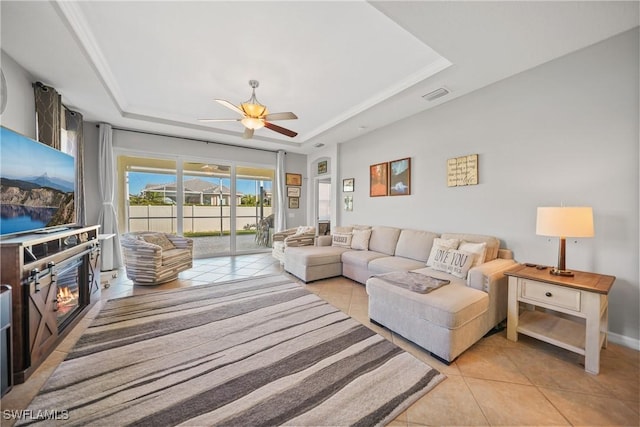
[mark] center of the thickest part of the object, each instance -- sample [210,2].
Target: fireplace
[54,278]
[71,291]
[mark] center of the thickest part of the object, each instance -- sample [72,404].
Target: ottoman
[445,321]
[311,263]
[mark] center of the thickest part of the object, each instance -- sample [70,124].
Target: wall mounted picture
[400,177]
[294,202]
[347,185]
[293,191]
[293,179]
[462,171]
[379,180]
[322,167]
[348,203]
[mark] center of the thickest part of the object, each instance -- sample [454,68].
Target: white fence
[196,218]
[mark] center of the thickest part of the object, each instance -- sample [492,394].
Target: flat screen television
[37,186]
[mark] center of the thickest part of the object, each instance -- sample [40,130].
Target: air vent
[436,94]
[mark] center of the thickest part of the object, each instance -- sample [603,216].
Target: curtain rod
[191,139]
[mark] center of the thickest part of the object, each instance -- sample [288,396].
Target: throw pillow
[304,229]
[479,249]
[160,240]
[446,243]
[453,261]
[342,240]
[360,240]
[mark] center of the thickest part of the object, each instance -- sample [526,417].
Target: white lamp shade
[565,221]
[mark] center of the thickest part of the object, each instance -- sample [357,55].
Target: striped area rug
[257,352]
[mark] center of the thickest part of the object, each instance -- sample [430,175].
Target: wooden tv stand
[35,265]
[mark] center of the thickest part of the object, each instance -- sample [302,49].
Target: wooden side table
[568,312]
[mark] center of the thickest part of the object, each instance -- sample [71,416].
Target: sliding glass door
[225,208]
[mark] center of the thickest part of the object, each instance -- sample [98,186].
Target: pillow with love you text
[445,243]
[452,261]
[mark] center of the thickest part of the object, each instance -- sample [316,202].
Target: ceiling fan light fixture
[252,123]
[253,109]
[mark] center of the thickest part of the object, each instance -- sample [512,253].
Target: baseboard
[624,341]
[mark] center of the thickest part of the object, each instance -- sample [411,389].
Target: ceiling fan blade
[219,120]
[280,116]
[280,129]
[248,133]
[230,106]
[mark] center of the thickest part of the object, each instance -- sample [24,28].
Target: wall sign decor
[400,177]
[322,167]
[462,171]
[293,191]
[348,203]
[379,180]
[294,202]
[293,179]
[347,185]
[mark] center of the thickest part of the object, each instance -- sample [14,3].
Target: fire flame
[65,296]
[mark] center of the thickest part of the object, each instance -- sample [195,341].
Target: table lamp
[564,222]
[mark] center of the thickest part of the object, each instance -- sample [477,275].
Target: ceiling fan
[255,115]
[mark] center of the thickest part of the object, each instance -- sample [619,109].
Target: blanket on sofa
[415,282]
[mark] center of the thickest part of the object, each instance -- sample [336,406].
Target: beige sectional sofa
[445,321]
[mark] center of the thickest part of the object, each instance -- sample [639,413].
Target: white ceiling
[344,67]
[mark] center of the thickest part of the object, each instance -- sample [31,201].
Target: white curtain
[110,251]
[280,222]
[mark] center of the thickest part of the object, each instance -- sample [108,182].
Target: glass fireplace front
[69,295]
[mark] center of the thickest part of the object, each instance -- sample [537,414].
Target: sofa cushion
[384,239]
[313,255]
[388,264]
[493,244]
[415,244]
[450,306]
[360,240]
[360,258]
[173,256]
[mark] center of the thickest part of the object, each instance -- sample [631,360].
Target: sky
[22,157]
[138,180]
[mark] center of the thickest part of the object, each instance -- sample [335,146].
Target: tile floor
[496,382]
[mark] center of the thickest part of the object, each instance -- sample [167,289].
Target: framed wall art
[379,180]
[400,177]
[347,185]
[348,203]
[294,202]
[293,191]
[322,167]
[462,171]
[293,179]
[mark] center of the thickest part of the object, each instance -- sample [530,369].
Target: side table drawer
[552,295]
